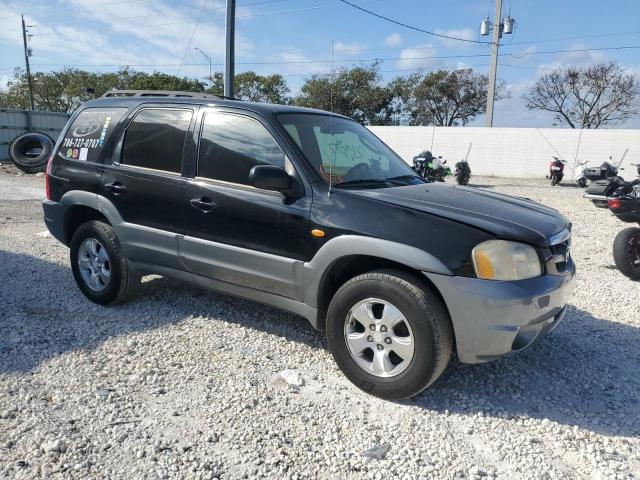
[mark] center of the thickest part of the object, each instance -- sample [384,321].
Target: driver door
[235,232]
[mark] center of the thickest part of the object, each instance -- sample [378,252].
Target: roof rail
[161,93]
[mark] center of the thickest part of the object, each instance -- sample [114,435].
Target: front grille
[557,257]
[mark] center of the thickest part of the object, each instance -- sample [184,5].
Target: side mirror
[270,177]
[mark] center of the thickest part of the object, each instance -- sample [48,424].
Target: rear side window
[88,133]
[155,139]
[230,145]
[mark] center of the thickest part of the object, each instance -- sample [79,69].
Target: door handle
[115,187]
[203,204]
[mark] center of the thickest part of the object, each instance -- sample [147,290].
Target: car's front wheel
[99,266]
[389,334]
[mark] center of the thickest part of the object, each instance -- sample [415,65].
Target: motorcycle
[556,170]
[623,200]
[579,175]
[431,168]
[463,172]
[592,174]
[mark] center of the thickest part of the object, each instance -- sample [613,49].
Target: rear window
[155,139]
[88,133]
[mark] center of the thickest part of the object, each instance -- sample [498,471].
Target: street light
[210,60]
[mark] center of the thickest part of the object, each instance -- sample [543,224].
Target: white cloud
[464,33]
[393,40]
[414,57]
[350,48]
[574,59]
[138,33]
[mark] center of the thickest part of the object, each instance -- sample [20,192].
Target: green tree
[358,92]
[252,87]
[64,90]
[443,98]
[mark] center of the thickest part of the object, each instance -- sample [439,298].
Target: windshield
[345,152]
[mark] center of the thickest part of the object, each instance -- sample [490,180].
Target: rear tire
[30,151]
[582,182]
[626,252]
[418,318]
[99,266]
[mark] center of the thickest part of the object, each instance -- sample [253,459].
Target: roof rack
[161,93]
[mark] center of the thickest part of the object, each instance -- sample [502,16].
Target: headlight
[503,260]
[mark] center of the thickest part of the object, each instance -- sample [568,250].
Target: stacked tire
[30,151]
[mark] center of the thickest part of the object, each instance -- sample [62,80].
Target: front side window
[89,131]
[231,145]
[155,139]
[344,152]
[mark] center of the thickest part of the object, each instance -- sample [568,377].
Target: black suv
[309,212]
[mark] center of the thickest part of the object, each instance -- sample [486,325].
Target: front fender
[347,245]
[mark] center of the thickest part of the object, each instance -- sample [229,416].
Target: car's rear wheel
[99,266]
[389,333]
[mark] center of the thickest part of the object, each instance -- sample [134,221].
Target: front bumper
[54,217]
[493,318]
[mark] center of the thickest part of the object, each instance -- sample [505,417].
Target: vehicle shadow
[584,373]
[44,314]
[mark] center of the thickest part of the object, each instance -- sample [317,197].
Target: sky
[294,38]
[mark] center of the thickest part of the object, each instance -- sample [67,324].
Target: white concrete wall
[515,152]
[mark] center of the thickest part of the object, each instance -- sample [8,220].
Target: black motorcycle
[463,172]
[431,168]
[622,198]
[604,171]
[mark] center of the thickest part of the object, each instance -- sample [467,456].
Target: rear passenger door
[235,232]
[146,185]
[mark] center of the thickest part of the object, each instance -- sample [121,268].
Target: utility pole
[499,27]
[493,69]
[229,60]
[27,54]
[209,59]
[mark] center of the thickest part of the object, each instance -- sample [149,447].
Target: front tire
[626,252]
[389,333]
[99,266]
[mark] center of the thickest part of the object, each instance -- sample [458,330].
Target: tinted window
[343,150]
[155,139]
[88,133]
[231,145]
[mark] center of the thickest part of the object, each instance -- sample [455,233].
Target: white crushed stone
[178,383]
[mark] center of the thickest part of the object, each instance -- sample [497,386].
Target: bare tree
[591,97]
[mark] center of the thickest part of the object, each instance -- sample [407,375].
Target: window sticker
[88,133]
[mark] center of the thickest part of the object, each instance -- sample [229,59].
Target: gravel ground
[184,383]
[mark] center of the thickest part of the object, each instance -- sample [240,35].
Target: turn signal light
[614,203]
[316,232]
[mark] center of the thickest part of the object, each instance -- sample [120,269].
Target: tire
[582,182]
[120,284]
[626,252]
[424,318]
[30,151]
[462,179]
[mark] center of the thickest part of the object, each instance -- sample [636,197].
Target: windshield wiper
[363,181]
[405,177]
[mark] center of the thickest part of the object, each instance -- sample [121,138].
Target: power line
[353,60]
[410,26]
[204,4]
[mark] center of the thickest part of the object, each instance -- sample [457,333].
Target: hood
[506,217]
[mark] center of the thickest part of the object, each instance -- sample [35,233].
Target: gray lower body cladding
[492,318]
